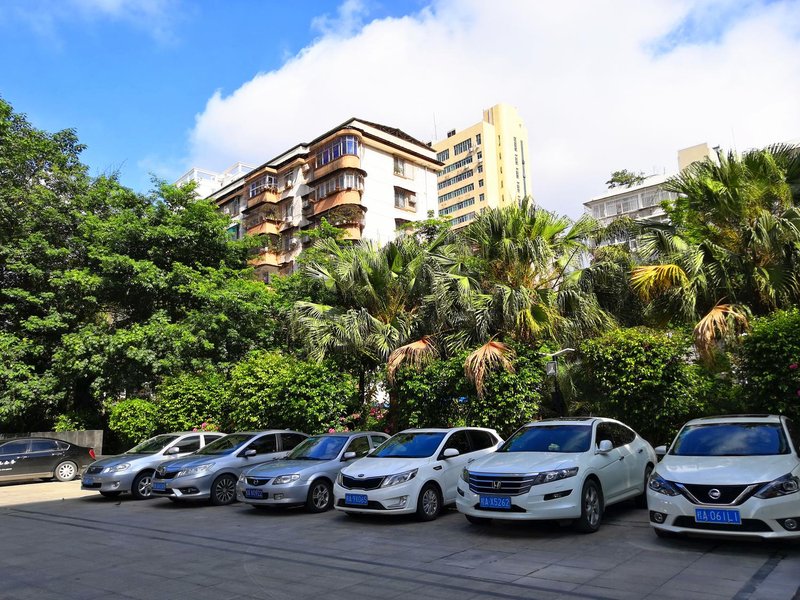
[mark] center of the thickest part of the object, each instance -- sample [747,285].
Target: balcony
[345,161]
[267,194]
[271,258]
[344,197]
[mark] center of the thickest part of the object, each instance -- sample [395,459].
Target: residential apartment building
[485,165]
[207,182]
[365,178]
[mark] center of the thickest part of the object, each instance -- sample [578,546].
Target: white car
[736,475]
[570,468]
[414,471]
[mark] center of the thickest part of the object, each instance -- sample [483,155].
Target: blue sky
[161,85]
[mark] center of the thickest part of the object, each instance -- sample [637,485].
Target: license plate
[503,502]
[253,493]
[725,517]
[88,481]
[356,499]
[160,486]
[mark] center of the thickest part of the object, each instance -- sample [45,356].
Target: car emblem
[714,494]
[497,485]
[360,475]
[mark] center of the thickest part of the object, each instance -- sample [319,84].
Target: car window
[62,445]
[290,440]
[210,437]
[481,439]
[359,445]
[318,447]
[189,444]
[793,435]
[622,434]
[549,438]
[605,431]
[153,445]
[460,441]
[265,444]
[14,447]
[377,440]
[409,445]
[43,446]
[730,439]
[226,445]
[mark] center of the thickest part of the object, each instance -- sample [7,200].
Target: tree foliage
[625,178]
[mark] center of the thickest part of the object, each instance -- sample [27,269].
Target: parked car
[211,472]
[42,458]
[132,471]
[414,471]
[734,475]
[306,475]
[569,468]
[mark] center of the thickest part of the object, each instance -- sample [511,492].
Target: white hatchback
[737,475]
[415,471]
[564,469]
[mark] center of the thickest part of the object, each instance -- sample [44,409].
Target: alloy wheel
[591,502]
[320,496]
[430,502]
[145,486]
[225,490]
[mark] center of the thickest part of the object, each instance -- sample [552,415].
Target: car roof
[754,418]
[445,429]
[568,421]
[348,433]
[25,439]
[266,431]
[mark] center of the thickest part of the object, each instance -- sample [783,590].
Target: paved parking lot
[85,547]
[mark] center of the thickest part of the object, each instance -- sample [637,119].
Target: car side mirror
[348,455]
[249,452]
[450,452]
[661,451]
[605,446]
[173,450]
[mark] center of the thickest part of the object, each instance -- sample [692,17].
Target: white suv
[733,475]
[415,471]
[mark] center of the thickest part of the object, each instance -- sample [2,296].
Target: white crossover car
[569,468]
[414,471]
[735,475]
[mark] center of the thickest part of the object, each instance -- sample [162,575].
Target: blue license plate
[254,493]
[88,481]
[356,499]
[501,502]
[160,486]
[724,517]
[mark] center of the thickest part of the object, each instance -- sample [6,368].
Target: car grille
[728,494]
[369,483]
[94,486]
[747,526]
[94,470]
[165,474]
[257,480]
[508,485]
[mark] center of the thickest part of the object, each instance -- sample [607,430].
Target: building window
[443,155]
[346,144]
[456,178]
[457,165]
[515,144]
[347,180]
[480,183]
[402,168]
[464,146]
[265,182]
[456,207]
[288,179]
[599,211]
[480,168]
[463,218]
[478,139]
[231,208]
[405,199]
[481,198]
[517,173]
[516,158]
[456,193]
[480,155]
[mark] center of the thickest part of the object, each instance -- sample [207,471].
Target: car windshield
[730,439]
[153,445]
[226,445]
[550,438]
[409,445]
[318,448]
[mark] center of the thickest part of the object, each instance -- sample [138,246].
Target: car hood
[194,460]
[507,463]
[379,467]
[725,470]
[113,461]
[286,467]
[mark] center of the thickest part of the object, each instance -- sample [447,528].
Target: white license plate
[160,486]
[717,515]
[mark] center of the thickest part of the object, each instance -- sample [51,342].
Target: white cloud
[595,82]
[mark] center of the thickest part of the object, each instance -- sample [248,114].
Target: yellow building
[485,165]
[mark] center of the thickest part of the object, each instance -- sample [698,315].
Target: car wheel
[320,496]
[110,494]
[429,503]
[142,487]
[223,490]
[478,520]
[591,507]
[641,500]
[65,471]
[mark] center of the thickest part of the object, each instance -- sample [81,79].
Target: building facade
[364,178]
[207,182]
[485,166]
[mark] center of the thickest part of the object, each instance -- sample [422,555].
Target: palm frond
[415,355]
[652,280]
[491,356]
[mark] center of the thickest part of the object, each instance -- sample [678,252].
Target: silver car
[211,473]
[133,470]
[306,476]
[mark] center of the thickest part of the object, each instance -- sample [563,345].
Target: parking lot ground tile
[771,591]
[539,584]
[591,592]
[514,566]
[567,574]
[473,558]
[695,585]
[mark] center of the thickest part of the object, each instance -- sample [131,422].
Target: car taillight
[91,453]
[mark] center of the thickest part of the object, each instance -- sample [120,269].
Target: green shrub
[133,420]
[188,400]
[69,422]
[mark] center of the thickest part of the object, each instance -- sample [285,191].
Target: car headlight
[399,478]
[662,486]
[550,476]
[465,474]
[117,468]
[242,477]
[194,470]
[339,478]
[782,486]
[283,479]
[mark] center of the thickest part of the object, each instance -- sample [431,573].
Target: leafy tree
[189,399]
[625,178]
[133,420]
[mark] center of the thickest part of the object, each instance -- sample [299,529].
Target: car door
[266,447]
[13,455]
[43,456]
[609,466]
[635,456]
[451,467]
[358,444]
[187,445]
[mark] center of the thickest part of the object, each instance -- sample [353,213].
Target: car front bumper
[189,487]
[274,495]
[531,506]
[108,482]
[397,499]
[761,518]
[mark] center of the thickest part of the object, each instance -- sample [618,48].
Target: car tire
[320,496]
[109,494]
[641,499]
[223,490]
[429,503]
[591,507]
[142,487]
[65,471]
[478,520]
